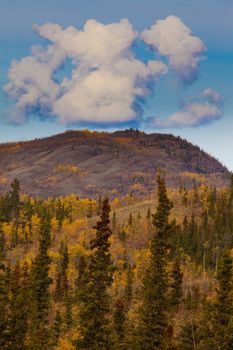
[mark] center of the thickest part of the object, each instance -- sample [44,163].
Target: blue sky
[209,20]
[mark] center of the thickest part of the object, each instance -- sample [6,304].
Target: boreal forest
[117,273]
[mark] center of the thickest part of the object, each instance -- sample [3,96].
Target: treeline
[55,294]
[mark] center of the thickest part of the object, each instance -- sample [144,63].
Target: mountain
[89,163]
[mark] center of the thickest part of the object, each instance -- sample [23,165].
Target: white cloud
[101,97]
[107,80]
[106,95]
[31,80]
[97,44]
[172,38]
[206,109]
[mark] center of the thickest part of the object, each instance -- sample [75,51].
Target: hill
[89,163]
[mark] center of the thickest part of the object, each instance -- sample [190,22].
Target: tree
[153,314]
[119,318]
[148,214]
[90,209]
[223,307]
[187,336]
[93,298]
[14,199]
[176,285]
[82,275]
[128,293]
[62,285]
[130,219]
[40,283]
[18,308]
[3,296]
[56,331]
[114,221]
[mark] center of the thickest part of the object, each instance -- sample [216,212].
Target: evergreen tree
[130,219]
[119,318]
[99,205]
[18,308]
[114,220]
[40,283]
[81,278]
[176,285]
[187,337]
[231,189]
[153,315]
[90,209]
[128,295]
[148,214]
[57,328]
[223,307]
[3,297]
[14,199]
[94,299]
[62,285]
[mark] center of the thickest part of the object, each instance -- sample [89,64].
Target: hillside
[89,163]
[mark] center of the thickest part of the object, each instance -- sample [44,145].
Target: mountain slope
[89,163]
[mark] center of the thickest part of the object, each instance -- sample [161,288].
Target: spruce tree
[153,314]
[62,285]
[93,297]
[148,214]
[119,318]
[114,221]
[223,307]
[187,338]
[18,308]
[128,293]
[14,199]
[40,295]
[130,219]
[176,285]
[81,278]
[57,328]
[3,297]
[90,209]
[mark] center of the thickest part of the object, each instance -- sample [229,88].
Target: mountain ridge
[90,163]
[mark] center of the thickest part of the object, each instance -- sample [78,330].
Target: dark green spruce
[93,296]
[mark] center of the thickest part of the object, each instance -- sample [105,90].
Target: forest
[117,273]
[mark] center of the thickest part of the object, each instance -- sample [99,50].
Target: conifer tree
[81,278]
[93,298]
[18,308]
[62,279]
[14,199]
[176,285]
[128,294]
[119,318]
[114,221]
[57,327]
[40,283]
[223,307]
[90,209]
[130,219]
[3,297]
[187,338]
[148,214]
[99,205]
[153,315]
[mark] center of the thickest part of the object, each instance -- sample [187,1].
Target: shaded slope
[89,163]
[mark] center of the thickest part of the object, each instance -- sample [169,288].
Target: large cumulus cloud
[108,84]
[106,79]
